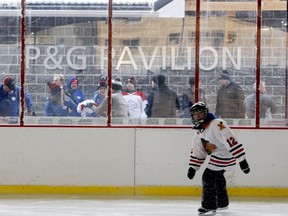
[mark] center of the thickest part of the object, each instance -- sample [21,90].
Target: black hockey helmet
[199,106]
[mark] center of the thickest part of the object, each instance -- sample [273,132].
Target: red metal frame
[258,63]
[197,48]
[23,33]
[110,13]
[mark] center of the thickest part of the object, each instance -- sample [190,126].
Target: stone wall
[55,45]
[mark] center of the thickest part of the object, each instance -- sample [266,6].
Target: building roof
[79,4]
[171,8]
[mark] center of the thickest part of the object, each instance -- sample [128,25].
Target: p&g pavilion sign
[75,57]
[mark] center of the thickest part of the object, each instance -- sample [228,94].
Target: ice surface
[20,205]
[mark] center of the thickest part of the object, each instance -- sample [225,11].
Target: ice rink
[23,205]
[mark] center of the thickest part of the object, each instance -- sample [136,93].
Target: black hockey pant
[214,192]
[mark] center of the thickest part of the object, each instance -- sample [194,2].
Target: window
[174,38]
[131,43]
[74,41]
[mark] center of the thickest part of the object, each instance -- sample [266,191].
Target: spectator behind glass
[150,97]
[188,97]
[163,102]
[135,99]
[60,80]
[230,98]
[118,104]
[267,105]
[10,98]
[58,104]
[76,94]
[101,92]
[85,108]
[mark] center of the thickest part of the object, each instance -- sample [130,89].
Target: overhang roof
[128,8]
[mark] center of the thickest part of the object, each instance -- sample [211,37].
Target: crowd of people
[67,99]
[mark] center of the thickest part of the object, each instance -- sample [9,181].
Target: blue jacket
[98,98]
[10,103]
[76,95]
[52,109]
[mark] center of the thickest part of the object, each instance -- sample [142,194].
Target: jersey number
[231,141]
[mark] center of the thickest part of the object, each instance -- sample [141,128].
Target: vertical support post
[22,73]
[110,15]
[197,50]
[258,63]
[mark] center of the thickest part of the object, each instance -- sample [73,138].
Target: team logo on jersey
[221,126]
[209,147]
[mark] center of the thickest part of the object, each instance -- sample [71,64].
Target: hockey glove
[244,166]
[191,173]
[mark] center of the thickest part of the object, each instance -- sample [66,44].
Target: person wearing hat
[136,100]
[119,107]
[188,97]
[10,98]
[58,104]
[101,92]
[131,88]
[230,98]
[163,102]
[75,93]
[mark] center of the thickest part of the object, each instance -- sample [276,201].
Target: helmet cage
[200,106]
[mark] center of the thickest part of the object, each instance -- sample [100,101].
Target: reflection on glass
[66,49]
[163,101]
[267,104]
[273,65]
[227,42]
[10,50]
[70,42]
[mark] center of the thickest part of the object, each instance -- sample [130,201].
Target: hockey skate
[222,208]
[203,211]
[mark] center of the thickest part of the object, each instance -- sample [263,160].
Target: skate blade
[222,208]
[208,213]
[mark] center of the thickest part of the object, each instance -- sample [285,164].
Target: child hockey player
[213,138]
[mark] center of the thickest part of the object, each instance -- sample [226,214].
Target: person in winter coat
[230,98]
[118,104]
[267,104]
[150,97]
[10,98]
[101,92]
[136,100]
[76,95]
[163,102]
[215,139]
[188,97]
[58,104]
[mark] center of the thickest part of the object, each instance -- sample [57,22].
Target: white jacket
[135,105]
[218,141]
